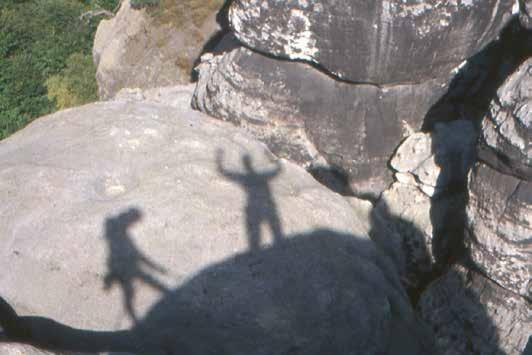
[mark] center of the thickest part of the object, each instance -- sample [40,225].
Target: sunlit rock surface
[306,115]
[137,48]
[381,42]
[500,187]
[189,234]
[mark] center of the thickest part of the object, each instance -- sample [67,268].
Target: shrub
[37,40]
[75,85]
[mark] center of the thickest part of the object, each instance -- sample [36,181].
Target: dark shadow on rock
[409,250]
[321,292]
[125,262]
[468,98]
[260,206]
[476,84]
[334,179]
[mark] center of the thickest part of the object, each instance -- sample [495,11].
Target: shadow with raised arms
[317,292]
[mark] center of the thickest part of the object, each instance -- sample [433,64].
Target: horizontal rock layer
[507,128]
[499,217]
[301,112]
[381,42]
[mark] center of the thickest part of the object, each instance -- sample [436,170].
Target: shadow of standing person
[260,205]
[125,262]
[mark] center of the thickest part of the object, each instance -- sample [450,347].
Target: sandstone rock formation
[378,83]
[142,215]
[422,235]
[304,114]
[380,42]
[500,207]
[148,50]
[438,160]
[506,129]
[472,315]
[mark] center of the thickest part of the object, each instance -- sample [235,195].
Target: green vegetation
[75,85]
[45,58]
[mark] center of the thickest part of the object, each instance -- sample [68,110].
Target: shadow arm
[273,172]
[153,265]
[222,171]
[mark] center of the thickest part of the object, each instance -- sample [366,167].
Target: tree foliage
[43,43]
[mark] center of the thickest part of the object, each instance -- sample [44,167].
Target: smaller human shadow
[260,206]
[126,262]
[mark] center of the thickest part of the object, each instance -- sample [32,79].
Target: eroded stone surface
[499,220]
[507,128]
[437,160]
[472,315]
[379,42]
[303,114]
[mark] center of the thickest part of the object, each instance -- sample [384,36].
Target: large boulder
[188,235]
[147,49]
[380,42]
[304,114]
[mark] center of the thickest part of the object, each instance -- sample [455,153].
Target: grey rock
[305,115]
[437,160]
[507,128]
[167,202]
[416,232]
[146,50]
[472,315]
[525,14]
[381,42]
[499,212]
[499,219]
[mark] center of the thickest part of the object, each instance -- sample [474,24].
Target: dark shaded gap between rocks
[468,98]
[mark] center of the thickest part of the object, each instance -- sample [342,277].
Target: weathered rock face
[472,315]
[304,114]
[388,41]
[499,220]
[138,49]
[500,207]
[438,160]
[416,232]
[507,128]
[112,231]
